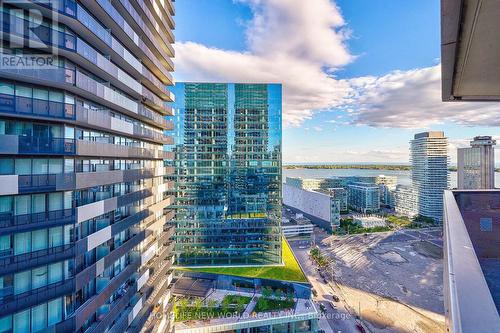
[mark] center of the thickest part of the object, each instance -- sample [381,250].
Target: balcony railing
[37,183]
[39,145]
[36,107]
[63,216]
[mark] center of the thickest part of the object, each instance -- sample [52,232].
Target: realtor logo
[29,34]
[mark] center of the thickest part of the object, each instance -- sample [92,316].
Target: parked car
[335,298]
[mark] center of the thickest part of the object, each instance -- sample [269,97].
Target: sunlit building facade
[476,164]
[227,159]
[429,173]
[84,234]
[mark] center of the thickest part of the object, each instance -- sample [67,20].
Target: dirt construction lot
[392,279]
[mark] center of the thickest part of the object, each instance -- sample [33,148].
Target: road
[337,320]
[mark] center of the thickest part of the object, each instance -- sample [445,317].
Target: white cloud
[325,154]
[301,44]
[412,99]
[298,43]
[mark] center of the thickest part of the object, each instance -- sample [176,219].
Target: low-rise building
[364,197]
[405,200]
[296,226]
[320,207]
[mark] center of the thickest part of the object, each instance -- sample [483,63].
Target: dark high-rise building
[227,173]
[84,208]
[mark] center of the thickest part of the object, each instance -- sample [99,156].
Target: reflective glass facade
[227,158]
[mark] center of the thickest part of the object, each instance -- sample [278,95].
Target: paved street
[336,320]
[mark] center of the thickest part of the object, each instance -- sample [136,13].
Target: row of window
[49,131]
[31,241]
[18,283]
[49,166]
[42,94]
[35,319]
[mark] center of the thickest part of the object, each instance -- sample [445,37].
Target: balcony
[16,144]
[32,107]
[91,305]
[15,303]
[10,223]
[10,263]
[91,148]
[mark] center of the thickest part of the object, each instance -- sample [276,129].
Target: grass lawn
[270,304]
[290,271]
[233,299]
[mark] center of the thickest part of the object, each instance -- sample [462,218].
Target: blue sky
[360,77]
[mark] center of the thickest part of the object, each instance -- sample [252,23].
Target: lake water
[403,176]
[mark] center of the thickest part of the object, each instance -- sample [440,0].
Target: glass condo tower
[227,173]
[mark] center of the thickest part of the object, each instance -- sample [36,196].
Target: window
[55,236]
[39,318]
[39,240]
[39,277]
[55,311]
[22,282]
[486,224]
[22,91]
[22,322]
[6,324]
[55,272]
[22,243]
[6,166]
[7,89]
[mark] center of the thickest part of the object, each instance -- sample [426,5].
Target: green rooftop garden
[290,271]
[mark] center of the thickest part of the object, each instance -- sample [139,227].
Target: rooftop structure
[296,225]
[472,260]
[227,158]
[476,164]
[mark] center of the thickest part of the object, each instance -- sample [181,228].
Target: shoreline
[358,167]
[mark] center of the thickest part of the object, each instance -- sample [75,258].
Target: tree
[278,293]
[267,292]
[198,303]
[212,303]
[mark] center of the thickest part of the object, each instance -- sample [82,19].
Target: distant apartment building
[227,159]
[405,200]
[314,183]
[476,164]
[429,174]
[364,197]
[339,194]
[320,207]
[84,205]
[387,184]
[472,261]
